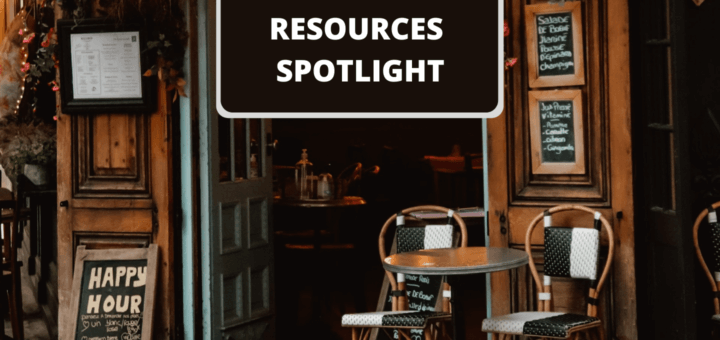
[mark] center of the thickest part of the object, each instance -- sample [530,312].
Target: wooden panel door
[115,191]
[662,132]
[237,272]
[516,193]
[236,241]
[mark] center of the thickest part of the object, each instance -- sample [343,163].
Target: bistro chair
[713,277]
[10,290]
[569,252]
[401,318]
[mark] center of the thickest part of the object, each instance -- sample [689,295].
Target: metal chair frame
[714,280]
[433,327]
[544,285]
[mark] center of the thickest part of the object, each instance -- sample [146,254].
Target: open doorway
[400,163]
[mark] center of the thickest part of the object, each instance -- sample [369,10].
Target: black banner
[332,57]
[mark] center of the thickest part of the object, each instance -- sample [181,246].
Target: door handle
[64,204]
[272,144]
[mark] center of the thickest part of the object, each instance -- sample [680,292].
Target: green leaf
[167,43]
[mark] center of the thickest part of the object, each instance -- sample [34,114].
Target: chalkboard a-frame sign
[555,45]
[113,294]
[556,132]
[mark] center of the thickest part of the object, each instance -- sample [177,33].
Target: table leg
[458,313]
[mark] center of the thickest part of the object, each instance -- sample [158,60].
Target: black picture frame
[70,105]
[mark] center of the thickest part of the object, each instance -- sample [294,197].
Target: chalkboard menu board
[557,132]
[111,300]
[555,48]
[554,44]
[423,292]
[113,294]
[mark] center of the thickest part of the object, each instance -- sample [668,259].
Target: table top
[456,261]
[347,201]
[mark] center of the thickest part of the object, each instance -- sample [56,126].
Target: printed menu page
[106,65]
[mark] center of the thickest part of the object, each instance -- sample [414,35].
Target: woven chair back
[572,252]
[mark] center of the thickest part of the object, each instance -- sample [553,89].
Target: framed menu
[102,68]
[556,132]
[555,45]
[113,294]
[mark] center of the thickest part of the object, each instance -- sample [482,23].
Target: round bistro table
[454,262]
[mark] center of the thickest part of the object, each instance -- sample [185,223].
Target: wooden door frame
[621,186]
[189,325]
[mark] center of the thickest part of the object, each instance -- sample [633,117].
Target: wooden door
[115,191]
[237,267]
[517,192]
[665,200]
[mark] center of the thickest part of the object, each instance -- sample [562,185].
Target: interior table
[455,262]
[331,210]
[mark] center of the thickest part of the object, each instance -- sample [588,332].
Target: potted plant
[29,148]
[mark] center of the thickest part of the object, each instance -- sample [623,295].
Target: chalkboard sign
[424,294]
[555,45]
[556,132]
[113,294]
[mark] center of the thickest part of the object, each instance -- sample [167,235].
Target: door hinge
[155,223]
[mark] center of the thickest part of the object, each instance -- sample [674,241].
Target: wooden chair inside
[713,276]
[569,252]
[401,317]
[457,180]
[10,289]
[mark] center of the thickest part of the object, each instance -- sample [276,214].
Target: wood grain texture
[161,153]
[111,156]
[625,305]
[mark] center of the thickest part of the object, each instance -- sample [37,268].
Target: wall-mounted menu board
[555,45]
[113,294]
[556,132]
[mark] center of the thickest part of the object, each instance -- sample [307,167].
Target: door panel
[111,156]
[516,195]
[239,278]
[114,188]
[236,198]
[662,133]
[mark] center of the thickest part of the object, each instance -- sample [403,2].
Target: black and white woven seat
[716,319]
[714,274]
[410,239]
[571,253]
[540,324]
[399,319]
